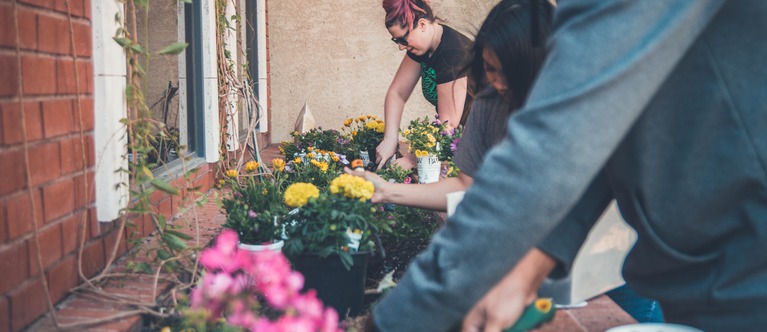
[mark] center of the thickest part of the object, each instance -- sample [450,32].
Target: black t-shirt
[445,64]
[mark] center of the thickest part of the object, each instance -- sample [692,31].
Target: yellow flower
[221,182]
[362,118]
[322,165]
[311,148]
[251,166]
[232,173]
[282,150]
[354,133]
[264,192]
[357,231]
[357,120]
[431,138]
[297,194]
[406,132]
[348,122]
[297,160]
[352,186]
[369,116]
[310,155]
[421,153]
[335,158]
[295,133]
[333,227]
[278,164]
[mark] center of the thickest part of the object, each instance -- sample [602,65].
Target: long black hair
[519,42]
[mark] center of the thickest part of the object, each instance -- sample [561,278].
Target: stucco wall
[338,58]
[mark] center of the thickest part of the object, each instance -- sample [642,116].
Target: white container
[428,168]
[275,246]
[653,327]
[365,157]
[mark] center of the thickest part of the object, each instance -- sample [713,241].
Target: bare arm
[451,97]
[431,196]
[399,91]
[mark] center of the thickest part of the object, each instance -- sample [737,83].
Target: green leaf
[122,41]
[187,1]
[174,48]
[173,241]
[179,234]
[161,220]
[137,48]
[163,254]
[164,186]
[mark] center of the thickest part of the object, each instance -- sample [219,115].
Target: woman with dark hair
[436,54]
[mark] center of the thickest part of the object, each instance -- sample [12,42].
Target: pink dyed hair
[406,12]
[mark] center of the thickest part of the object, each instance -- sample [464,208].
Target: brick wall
[55,147]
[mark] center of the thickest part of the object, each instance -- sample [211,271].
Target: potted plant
[423,137]
[314,166]
[329,239]
[253,208]
[365,133]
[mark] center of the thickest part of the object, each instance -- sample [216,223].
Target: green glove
[537,313]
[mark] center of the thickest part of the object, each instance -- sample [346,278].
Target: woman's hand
[379,183]
[385,151]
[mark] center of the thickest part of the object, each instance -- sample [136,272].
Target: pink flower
[407,180]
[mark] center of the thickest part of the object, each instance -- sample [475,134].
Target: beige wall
[338,57]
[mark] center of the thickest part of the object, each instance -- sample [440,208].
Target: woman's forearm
[431,196]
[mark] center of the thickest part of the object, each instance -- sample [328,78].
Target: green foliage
[251,209]
[394,172]
[324,226]
[317,139]
[173,49]
[365,132]
[314,168]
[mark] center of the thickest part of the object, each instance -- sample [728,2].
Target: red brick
[71,231]
[39,75]
[58,199]
[5,315]
[9,67]
[27,29]
[93,258]
[44,162]
[83,198]
[58,117]
[12,166]
[50,248]
[7,37]
[63,277]
[82,34]
[88,117]
[65,77]
[72,156]
[3,224]
[90,150]
[14,264]
[27,304]
[94,226]
[19,212]
[10,112]
[53,34]
[87,6]
[48,4]
[111,239]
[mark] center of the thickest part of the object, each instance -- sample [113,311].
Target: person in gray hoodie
[657,104]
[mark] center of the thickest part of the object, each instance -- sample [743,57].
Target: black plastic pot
[342,289]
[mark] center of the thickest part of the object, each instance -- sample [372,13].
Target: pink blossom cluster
[236,280]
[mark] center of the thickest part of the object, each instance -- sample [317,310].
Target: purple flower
[342,159]
[454,145]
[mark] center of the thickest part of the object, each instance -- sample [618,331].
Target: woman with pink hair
[436,54]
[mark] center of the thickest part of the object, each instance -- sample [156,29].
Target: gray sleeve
[472,147]
[606,61]
[566,239]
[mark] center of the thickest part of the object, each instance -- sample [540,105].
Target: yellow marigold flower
[354,133]
[335,158]
[348,122]
[310,155]
[282,150]
[232,173]
[352,186]
[362,118]
[278,164]
[311,148]
[357,120]
[421,153]
[322,165]
[297,194]
[370,125]
[379,121]
[297,160]
[331,153]
[369,116]
[251,166]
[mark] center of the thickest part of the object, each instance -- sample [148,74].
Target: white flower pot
[365,157]
[428,168]
[275,246]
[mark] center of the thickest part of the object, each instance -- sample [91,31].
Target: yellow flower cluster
[421,153]
[279,164]
[376,125]
[352,187]
[251,166]
[232,173]
[322,165]
[297,194]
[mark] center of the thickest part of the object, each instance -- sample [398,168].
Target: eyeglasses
[401,40]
